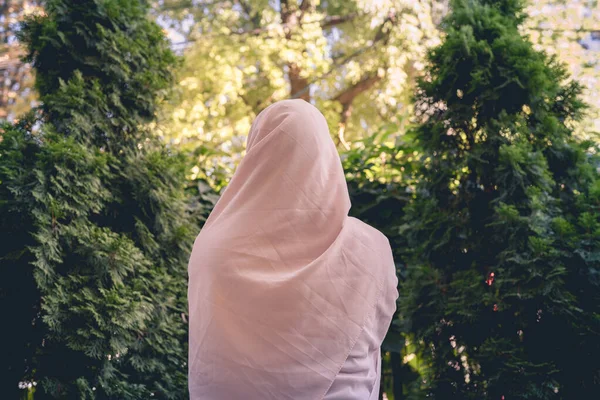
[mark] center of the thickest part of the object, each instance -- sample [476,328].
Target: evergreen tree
[503,291]
[94,225]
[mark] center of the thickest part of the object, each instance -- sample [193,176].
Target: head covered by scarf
[281,279]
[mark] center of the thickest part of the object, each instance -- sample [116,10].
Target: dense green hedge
[502,290]
[95,226]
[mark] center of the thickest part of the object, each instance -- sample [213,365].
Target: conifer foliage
[503,292]
[94,226]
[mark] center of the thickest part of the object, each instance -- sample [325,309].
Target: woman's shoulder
[369,233]
[372,238]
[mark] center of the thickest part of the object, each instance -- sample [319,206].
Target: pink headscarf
[281,280]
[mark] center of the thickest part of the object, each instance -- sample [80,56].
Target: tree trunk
[291,19]
[397,375]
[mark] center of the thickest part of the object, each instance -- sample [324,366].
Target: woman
[289,298]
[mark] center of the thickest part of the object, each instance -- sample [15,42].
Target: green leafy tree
[356,60]
[503,292]
[95,228]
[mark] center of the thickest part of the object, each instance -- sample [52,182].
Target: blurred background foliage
[16,94]
[569,30]
[357,60]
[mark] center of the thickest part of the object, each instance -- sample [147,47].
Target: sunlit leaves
[355,60]
[566,29]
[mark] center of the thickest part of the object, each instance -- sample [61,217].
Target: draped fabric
[360,376]
[282,282]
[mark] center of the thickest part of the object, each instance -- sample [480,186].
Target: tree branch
[305,5]
[346,98]
[245,6]
[285,11]
[384,29]
[290,19]
[254,17]
[346,113]
[351,92]
[297,82]
[337,20]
